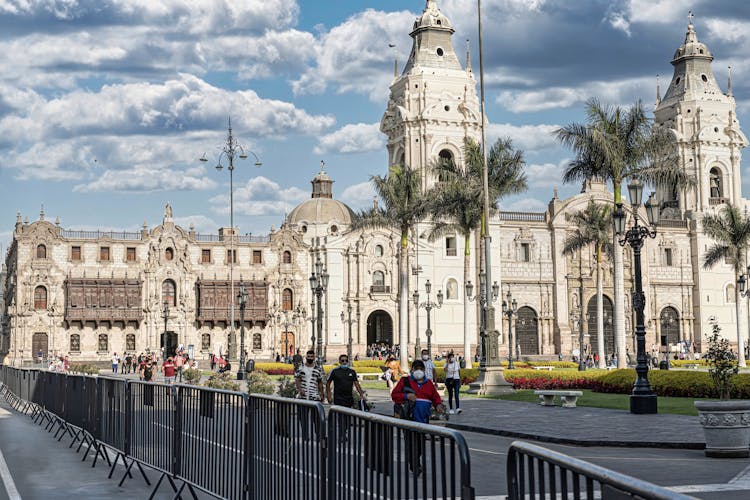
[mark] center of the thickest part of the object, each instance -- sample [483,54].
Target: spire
[658,90]
[395,59]
[690,36]
[729,81]
[41,213]
[468,57]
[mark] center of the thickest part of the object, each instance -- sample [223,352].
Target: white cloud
[525,137]
[260,196]
[546,174]
[618,21]
[352,138]
[201,223]
[144,180]
[359,196]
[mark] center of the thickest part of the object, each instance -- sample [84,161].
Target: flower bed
[556,379]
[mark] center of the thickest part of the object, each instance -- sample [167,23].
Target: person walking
[147,369]
[179,363]
[429,366]
[453,382]
[343,379]
[308,378]
[115,362]
[393,373]
[168,369]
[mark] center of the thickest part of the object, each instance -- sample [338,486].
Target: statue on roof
[168,211]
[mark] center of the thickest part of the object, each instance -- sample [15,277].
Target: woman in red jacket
[416,394]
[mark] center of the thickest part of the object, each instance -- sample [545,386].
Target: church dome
[321,208]
[432,18]
[692,48]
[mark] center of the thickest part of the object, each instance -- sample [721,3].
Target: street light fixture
[510,308]
[318,286]
[242,300]
[578,324]
[428,306]
[643,398]
[667,321]
[483,303]
[230,151]
[348,321]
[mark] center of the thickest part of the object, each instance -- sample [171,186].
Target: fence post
[250,438]
[177,433]
[246,444]
[128,413]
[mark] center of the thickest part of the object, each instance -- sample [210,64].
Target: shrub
[259,382]
[685,362]
[83,368]
[287,387]
[275,368]
[222,381]
[689,384]
[722,362]
[468,375]
[192,376]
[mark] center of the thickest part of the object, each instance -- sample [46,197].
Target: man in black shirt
[297,360]
[343,380]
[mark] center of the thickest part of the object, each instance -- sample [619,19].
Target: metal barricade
[151,429]
[534,472]
[286,448]
[74,400]
[374,456]
[211,429]
[112,412]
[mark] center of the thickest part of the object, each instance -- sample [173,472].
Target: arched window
[75,343]
[287,299]
[451,290]
[527,331]
[445,158]
[103,345]
[169,292]
[287,257]
[206,342]
[40,298]
[257,346]
[378,278]
[130,342]
[717,189]
[670,324]
[169,254]
[41,252]
[378,250]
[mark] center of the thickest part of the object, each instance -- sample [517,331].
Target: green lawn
[680,406]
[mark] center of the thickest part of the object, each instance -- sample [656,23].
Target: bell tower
[433,105]
[704,121]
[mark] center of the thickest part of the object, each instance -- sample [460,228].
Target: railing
[95,235]
[216,238]
[522,216]
[676,223]
[717,201]
[380,289]
[534,472]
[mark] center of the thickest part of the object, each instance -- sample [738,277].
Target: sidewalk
[580,426]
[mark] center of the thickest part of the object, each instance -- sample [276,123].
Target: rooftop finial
[468,57]
[690,19]
[322,166]
[41,213]
[395,59]
[658,89]
[729,81]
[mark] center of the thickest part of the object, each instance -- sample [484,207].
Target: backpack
[405,411]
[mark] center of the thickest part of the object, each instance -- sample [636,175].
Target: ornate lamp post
[230,151]
[349,322]
[242,300]
[165,315]
[667,321]
[510,308]
[428,306]
[579,325]
[742,287]
[483,303]
[643,398]
[318,286]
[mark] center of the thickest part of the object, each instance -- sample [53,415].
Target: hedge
[554,379]
[683,362]
[680,383]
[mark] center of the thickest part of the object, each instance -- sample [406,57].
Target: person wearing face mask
[452,382]
[429,366]
[417,393]
[343,379]
[309,379]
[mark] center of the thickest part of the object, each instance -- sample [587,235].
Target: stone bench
[692,366]
[548,368]
[568,399]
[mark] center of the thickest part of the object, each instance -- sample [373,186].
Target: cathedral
[87,294]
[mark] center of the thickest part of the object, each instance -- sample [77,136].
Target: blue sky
[107,105]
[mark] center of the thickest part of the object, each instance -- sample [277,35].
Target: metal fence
[534,472]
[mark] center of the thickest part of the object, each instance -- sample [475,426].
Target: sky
[106,106]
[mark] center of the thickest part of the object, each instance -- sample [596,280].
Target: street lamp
[578,324]
[643,398]
[666,322]
[483,303]
[242,300]
[348,321]
[165,315]
[428,306]
[318,286]
[228,153]
[510,308]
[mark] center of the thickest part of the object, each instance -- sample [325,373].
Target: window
[229,256]
[287,257]
[450,246]
[525,252]
[378,250]
[40,298]
[378,278]
[75,253]
[730,294]
[103,343]
[668,257]
[104,254]
[257,257]
[41,252]
[715,183]
[169,254]
[206,256]
[451,290]
[445,160]
[75,343]
[287,299]
[130,342]
[206,342]
[257,345]
[130,254]
[169,293]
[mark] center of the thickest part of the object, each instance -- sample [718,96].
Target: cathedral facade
[90,293]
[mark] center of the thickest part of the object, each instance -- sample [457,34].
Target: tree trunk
[740,327]
[467,308]
[403,301]
[600,310]
[619,295]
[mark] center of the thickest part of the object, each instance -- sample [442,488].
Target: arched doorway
[287,343]
[670,325]
[527,331]
[379,328]
[609,329]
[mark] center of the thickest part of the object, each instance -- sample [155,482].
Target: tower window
[715,183]
[440,52]
[525,252]
[677,81]
[41,252]
[169,254]
[668,257]
[704,77]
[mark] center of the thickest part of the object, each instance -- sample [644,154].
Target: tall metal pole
[319,294]
[243,301]
[581,362]
[232,339]
[428,332]
[509,313]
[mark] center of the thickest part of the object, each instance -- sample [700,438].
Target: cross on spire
[690,17]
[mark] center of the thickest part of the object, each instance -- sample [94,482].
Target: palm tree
[457,206]
[404,204]
[615,145]
[593,227]
[731,231]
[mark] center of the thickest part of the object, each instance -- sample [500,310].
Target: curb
[577,442]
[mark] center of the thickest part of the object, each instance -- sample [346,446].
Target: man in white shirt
[309,379]
[115,362]
[429,366]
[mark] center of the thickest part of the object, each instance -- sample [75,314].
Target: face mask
[418,374]
[345,365]
[425,357]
